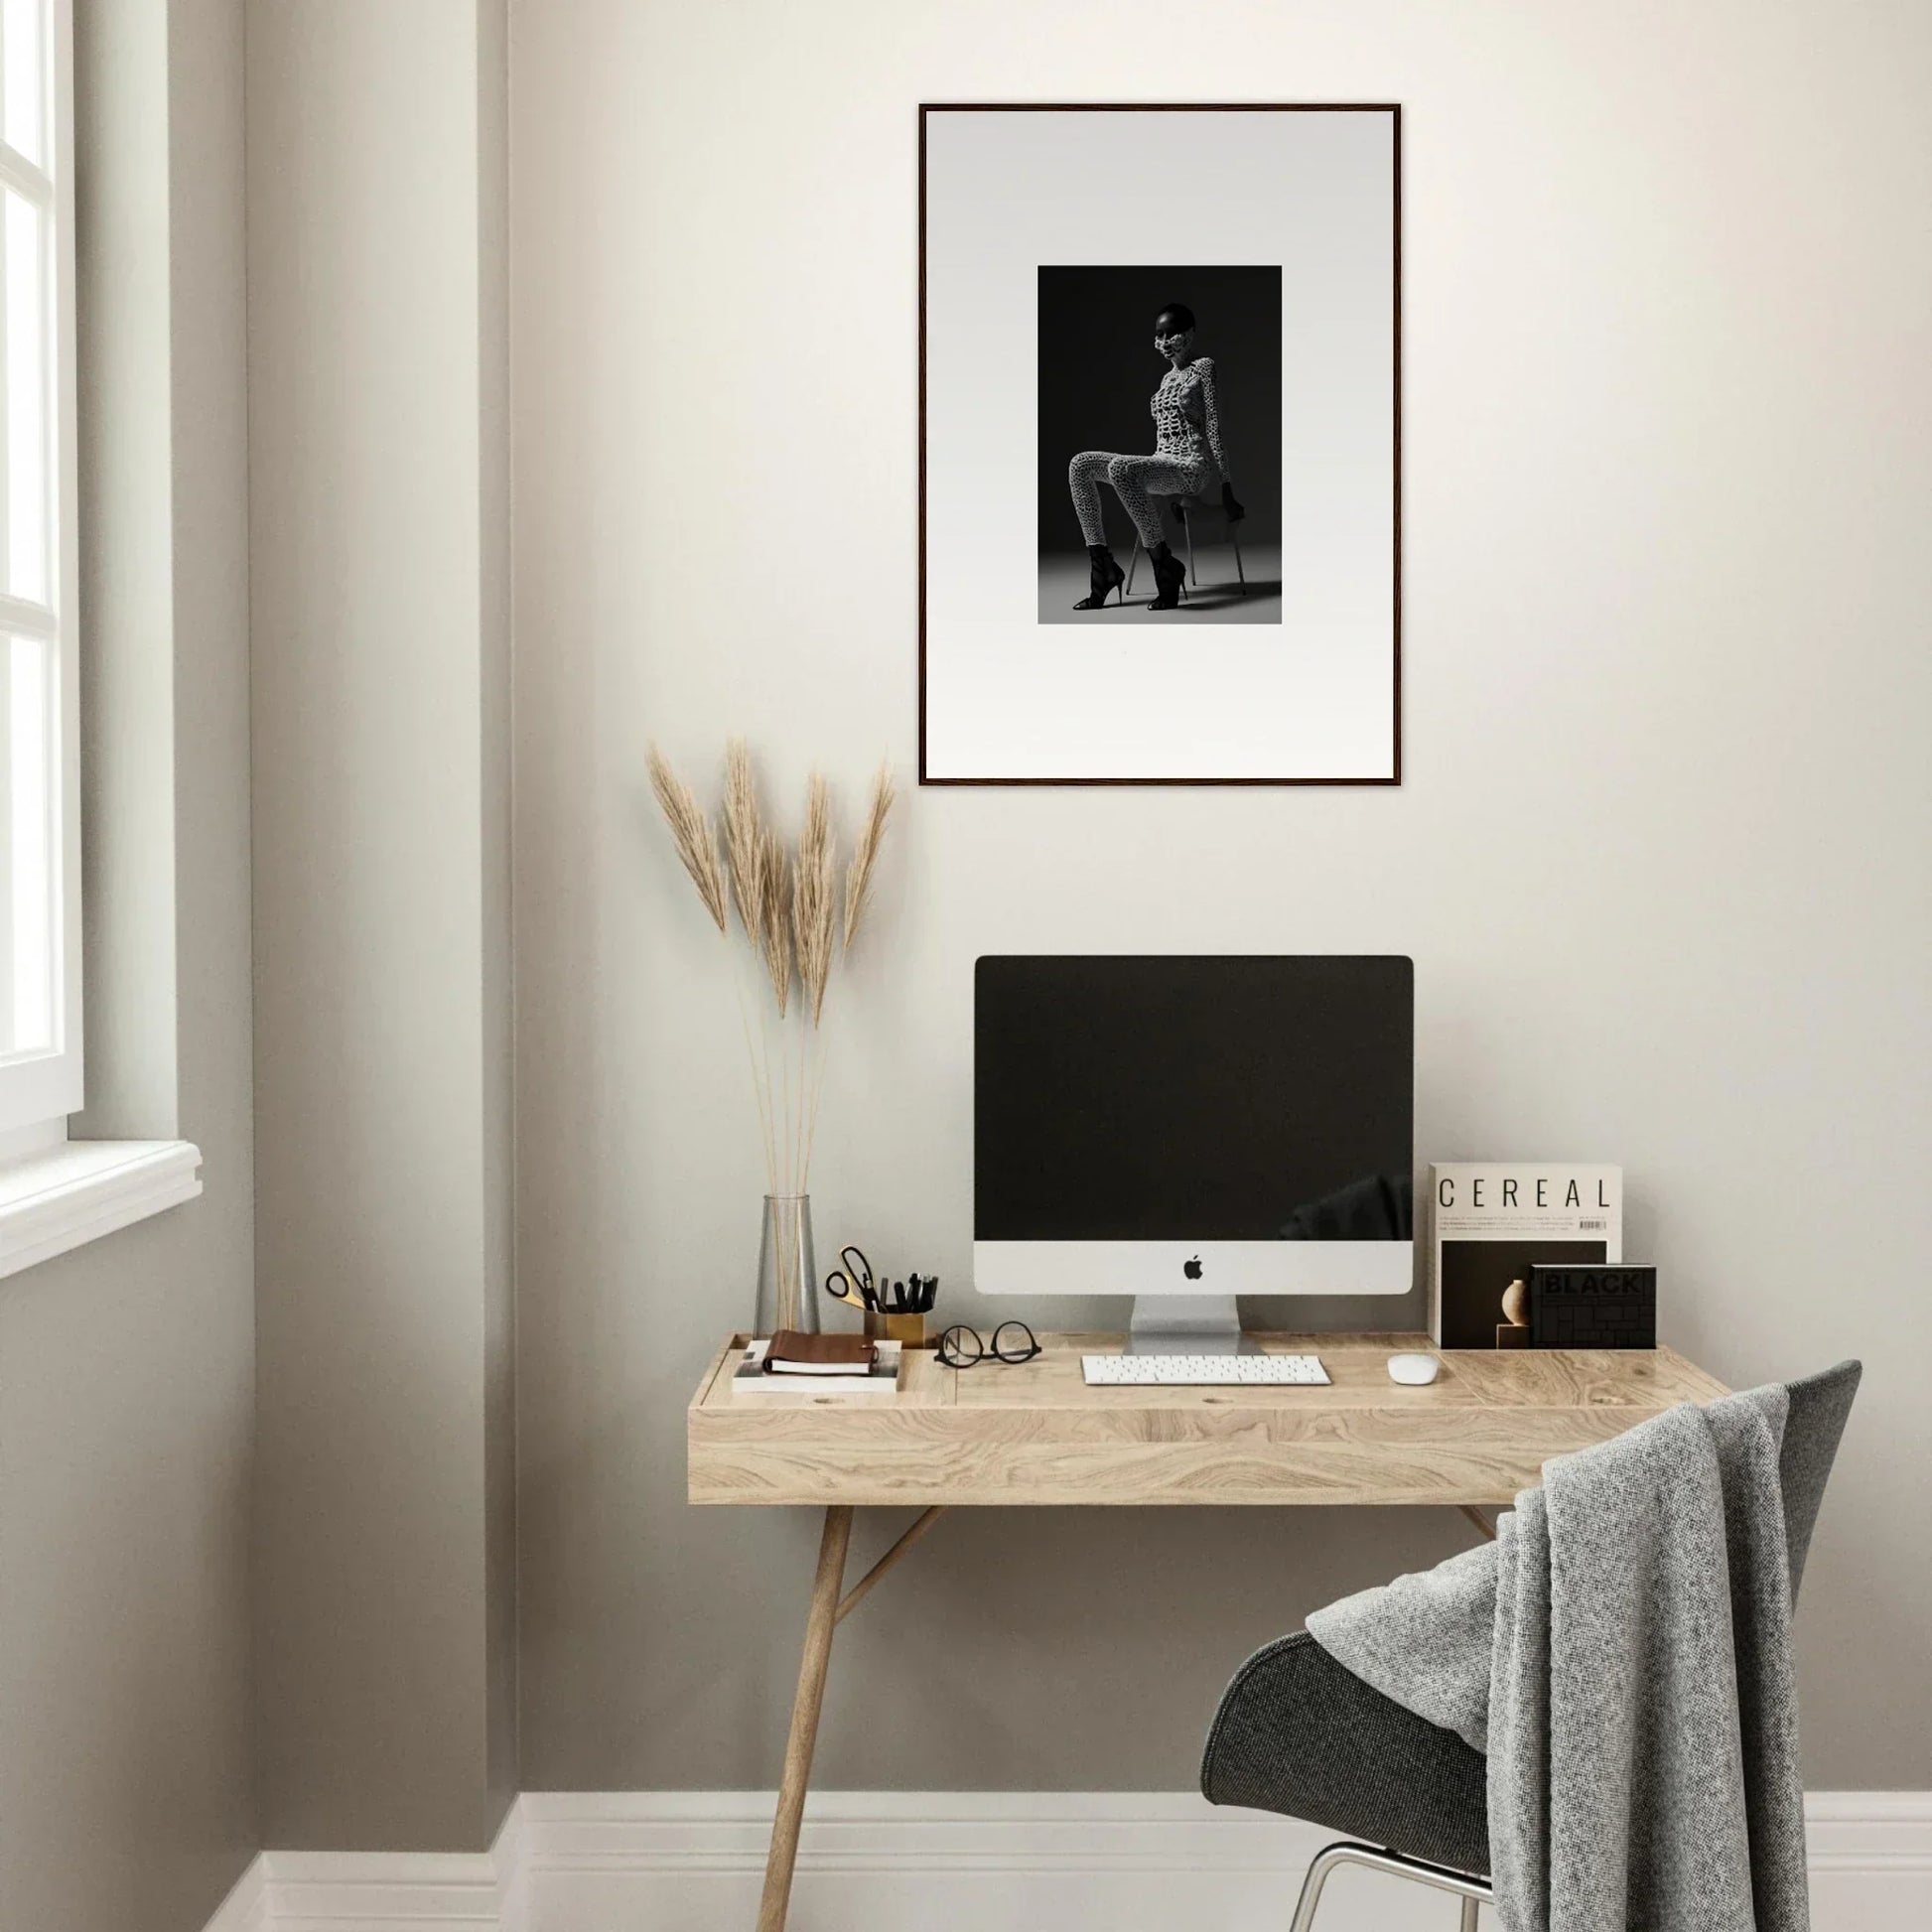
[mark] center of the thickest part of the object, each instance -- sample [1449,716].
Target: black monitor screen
[1193,1099]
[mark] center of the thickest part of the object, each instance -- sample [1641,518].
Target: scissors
[852,1281]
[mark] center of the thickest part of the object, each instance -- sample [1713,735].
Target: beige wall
[126,1367]
[379,507]
[1659,855]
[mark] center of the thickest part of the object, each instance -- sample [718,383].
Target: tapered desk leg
[819,1620]
[1478,1519]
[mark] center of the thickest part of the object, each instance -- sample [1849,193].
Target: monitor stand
[1187,1325]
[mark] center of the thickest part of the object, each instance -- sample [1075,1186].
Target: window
[40,845]
[55,1193]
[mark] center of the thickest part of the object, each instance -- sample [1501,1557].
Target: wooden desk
[1033,1434]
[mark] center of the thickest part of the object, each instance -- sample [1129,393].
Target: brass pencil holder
[908,1329]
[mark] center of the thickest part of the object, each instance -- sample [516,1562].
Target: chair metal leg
[1324,1863]
[1234,537]
[1193,576]
[1471,1890]
[1133,564]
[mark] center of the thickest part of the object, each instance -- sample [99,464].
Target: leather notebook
[793,1353]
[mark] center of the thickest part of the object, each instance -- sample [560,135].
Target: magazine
[1489,1220]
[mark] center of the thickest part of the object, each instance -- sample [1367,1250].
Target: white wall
[1660,854]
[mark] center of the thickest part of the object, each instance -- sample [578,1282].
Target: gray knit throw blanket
[1622,1652]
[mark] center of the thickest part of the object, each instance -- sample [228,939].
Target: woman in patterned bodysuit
[1188,459]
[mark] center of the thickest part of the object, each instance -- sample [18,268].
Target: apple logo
[1192,1269]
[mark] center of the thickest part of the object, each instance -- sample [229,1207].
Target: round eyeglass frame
[1007,1347]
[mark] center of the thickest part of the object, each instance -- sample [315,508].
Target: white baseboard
[245,1910]
[954,1861]
[1871,1858]
[384,1892]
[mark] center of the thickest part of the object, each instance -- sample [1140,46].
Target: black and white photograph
[1160,390]
[1159,444]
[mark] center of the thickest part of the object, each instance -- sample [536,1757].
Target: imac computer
[1187,1130]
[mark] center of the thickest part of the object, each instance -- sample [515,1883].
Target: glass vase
[788,1271]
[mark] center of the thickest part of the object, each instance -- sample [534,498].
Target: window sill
[76,1192]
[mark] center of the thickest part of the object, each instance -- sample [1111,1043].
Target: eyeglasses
[1013,1341]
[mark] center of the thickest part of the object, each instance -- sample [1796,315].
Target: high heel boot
[1107,576]
[1170,574]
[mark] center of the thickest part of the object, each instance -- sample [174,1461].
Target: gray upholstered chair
[1298,1733]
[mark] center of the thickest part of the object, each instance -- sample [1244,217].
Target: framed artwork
[1159,444]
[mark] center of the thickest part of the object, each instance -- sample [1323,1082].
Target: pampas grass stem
[797,930]
[691,834]
[864,854]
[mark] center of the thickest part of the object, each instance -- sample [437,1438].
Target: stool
[1187,508]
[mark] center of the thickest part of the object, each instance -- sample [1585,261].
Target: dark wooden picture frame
[1393,777]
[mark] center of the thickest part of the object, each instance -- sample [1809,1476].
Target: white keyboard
[1201,1371]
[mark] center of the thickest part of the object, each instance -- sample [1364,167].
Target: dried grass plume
[774,915]
[864,855]
[692,835]
[744,835]
[814,896]
[788,905]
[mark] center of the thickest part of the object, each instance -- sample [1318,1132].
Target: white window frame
[38,1090]
[55,1193]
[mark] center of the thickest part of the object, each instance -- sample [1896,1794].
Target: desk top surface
[1035,1433]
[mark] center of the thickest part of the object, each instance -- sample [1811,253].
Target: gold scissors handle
[851,1281]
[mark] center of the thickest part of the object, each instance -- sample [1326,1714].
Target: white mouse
[1413,1369]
